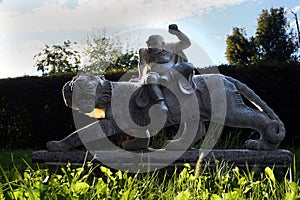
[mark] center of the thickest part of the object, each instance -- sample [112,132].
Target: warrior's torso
[160,61]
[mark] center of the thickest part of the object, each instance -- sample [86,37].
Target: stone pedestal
[280,159]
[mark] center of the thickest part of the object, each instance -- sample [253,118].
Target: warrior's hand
[173,29]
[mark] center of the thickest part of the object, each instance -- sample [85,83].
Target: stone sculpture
[172,96]
[161,57]
[88,92]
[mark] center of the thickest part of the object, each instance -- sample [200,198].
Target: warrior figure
[161,57]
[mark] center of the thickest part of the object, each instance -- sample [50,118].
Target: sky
[27,26]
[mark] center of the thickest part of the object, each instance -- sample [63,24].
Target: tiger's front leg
[139,139]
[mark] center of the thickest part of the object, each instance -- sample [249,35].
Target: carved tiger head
[87,92]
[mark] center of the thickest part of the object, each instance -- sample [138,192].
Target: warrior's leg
[155,91]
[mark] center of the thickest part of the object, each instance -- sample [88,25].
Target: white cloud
[18,61]
[61,17]
[89,14]
[219,37]
[296,9]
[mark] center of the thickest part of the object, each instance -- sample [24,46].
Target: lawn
[15,158]
[223,182]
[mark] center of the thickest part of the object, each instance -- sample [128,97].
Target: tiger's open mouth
[97,113]
[85,102]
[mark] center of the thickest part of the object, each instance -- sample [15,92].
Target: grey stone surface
[173,96]
[170,95]
[219,101]
[237,157]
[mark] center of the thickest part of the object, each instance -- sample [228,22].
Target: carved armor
[162,57]
[163,63]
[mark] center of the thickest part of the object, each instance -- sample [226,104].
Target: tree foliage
[272,43]
[124,62]
[57,59]
[239,49]
[101,51]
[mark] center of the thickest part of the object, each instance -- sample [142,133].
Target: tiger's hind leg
[245,117]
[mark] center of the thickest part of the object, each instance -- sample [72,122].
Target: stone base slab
[281,159]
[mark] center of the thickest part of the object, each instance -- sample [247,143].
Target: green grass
[20,179]
[223,182]
[15,157]
[296,152]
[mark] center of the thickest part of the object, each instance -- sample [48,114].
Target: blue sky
[26,26]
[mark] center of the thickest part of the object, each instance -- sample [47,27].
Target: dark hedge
[279,87]
[32,110]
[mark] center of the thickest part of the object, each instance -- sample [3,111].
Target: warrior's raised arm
[184,41]
[156,45]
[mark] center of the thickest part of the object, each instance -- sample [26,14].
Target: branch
[297,24]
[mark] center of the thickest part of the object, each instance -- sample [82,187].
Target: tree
[273,42]
[124,62]
[101,51]
[57,59]
[239,49]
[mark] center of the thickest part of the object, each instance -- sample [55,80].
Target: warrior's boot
[157,96]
